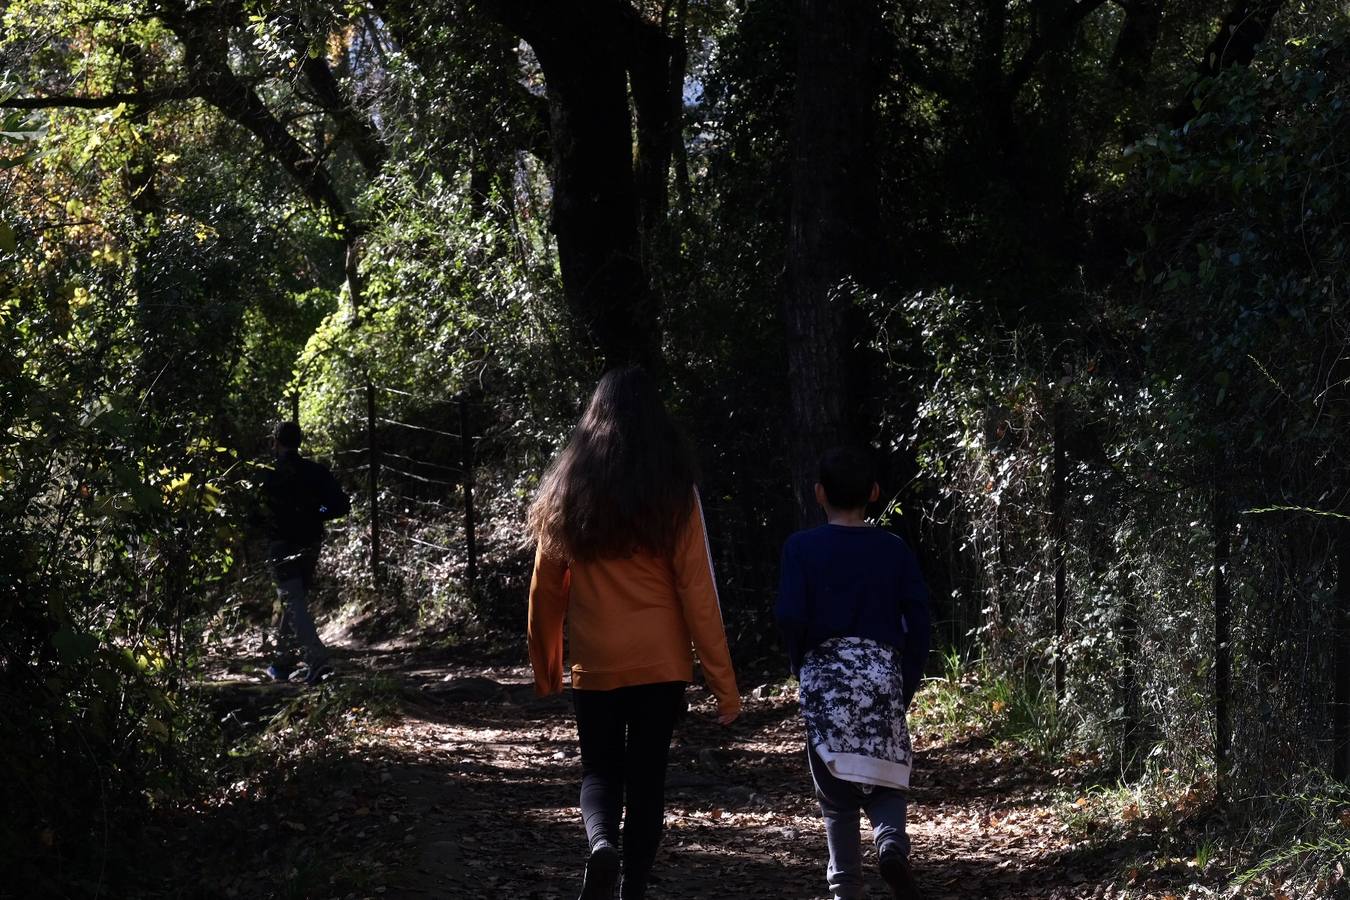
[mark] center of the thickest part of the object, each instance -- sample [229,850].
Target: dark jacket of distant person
[299,495]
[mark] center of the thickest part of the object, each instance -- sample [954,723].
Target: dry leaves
[483,792]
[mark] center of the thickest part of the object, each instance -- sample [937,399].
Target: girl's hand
[727,718]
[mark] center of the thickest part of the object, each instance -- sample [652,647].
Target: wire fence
[418,469]
[417,475]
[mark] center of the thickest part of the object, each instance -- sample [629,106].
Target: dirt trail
[470,791]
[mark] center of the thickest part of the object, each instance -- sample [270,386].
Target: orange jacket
[632,620]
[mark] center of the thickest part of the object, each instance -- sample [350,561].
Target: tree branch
[656,83]
[1242,31]
[1048,40]
[365,141]
[932,80]
[1234,44]
[106,101]
[203,31]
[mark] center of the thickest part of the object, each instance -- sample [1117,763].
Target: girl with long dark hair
[623,557]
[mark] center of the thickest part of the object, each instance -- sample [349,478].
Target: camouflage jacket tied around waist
[852,699]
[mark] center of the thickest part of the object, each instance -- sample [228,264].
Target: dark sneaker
[895,871]
[317,674]
[602,873]
[275,674]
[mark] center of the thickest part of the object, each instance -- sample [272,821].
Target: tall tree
[833,227]
[590,52]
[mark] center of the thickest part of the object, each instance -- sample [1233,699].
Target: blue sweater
[846,581]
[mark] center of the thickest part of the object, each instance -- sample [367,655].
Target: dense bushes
[1195,404]
[120,508]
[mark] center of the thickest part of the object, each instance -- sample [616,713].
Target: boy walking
[853,609]
[299,495]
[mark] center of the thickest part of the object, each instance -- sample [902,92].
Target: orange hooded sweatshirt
[632,620]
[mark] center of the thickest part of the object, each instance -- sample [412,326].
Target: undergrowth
[318,723]
[971,699]
[1301,847]
[1293,846]
[336,709]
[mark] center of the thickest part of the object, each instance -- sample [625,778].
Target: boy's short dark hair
[847,474]
[288,435]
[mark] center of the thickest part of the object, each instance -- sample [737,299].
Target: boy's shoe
[317,674]
[275,674]
[895,871]
[602,873]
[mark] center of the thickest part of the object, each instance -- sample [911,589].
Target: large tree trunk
[1340,649]
[587,49]
[833,226]
[653,75]
[595,215]
[1132,56]
[679,63]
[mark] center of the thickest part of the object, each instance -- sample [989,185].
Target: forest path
[469,789]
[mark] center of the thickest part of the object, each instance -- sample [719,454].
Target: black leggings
[625,739]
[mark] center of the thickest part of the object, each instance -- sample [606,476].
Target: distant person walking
[853,609]
[299,495]
[623,557]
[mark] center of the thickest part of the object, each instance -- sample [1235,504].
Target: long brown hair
[624,482]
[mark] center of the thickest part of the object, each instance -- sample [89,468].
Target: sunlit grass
[969,698]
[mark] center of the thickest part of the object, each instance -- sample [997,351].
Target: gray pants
[840,804]
[293,568]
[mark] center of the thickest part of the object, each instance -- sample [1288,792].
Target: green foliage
[452,302]
[972,698]
[456,307]
[1033,718]
[1158,799]
[1208,371]
[1308,844]
[141,369]
[334,709]
[946,705]
[20,133]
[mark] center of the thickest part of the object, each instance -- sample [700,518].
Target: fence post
[466,454]
[1221,527]
[1340,635]
[352,269]
[1058,476]
[373,451]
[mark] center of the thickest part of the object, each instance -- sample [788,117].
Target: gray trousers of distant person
[293,569]
[841,803]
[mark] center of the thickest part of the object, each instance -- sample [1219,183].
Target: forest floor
[424,773]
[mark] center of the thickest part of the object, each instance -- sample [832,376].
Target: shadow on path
[469,789]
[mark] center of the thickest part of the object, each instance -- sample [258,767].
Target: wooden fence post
[466,455]
[1058,475]
[1223,650]
[373,450]
[1340,705]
